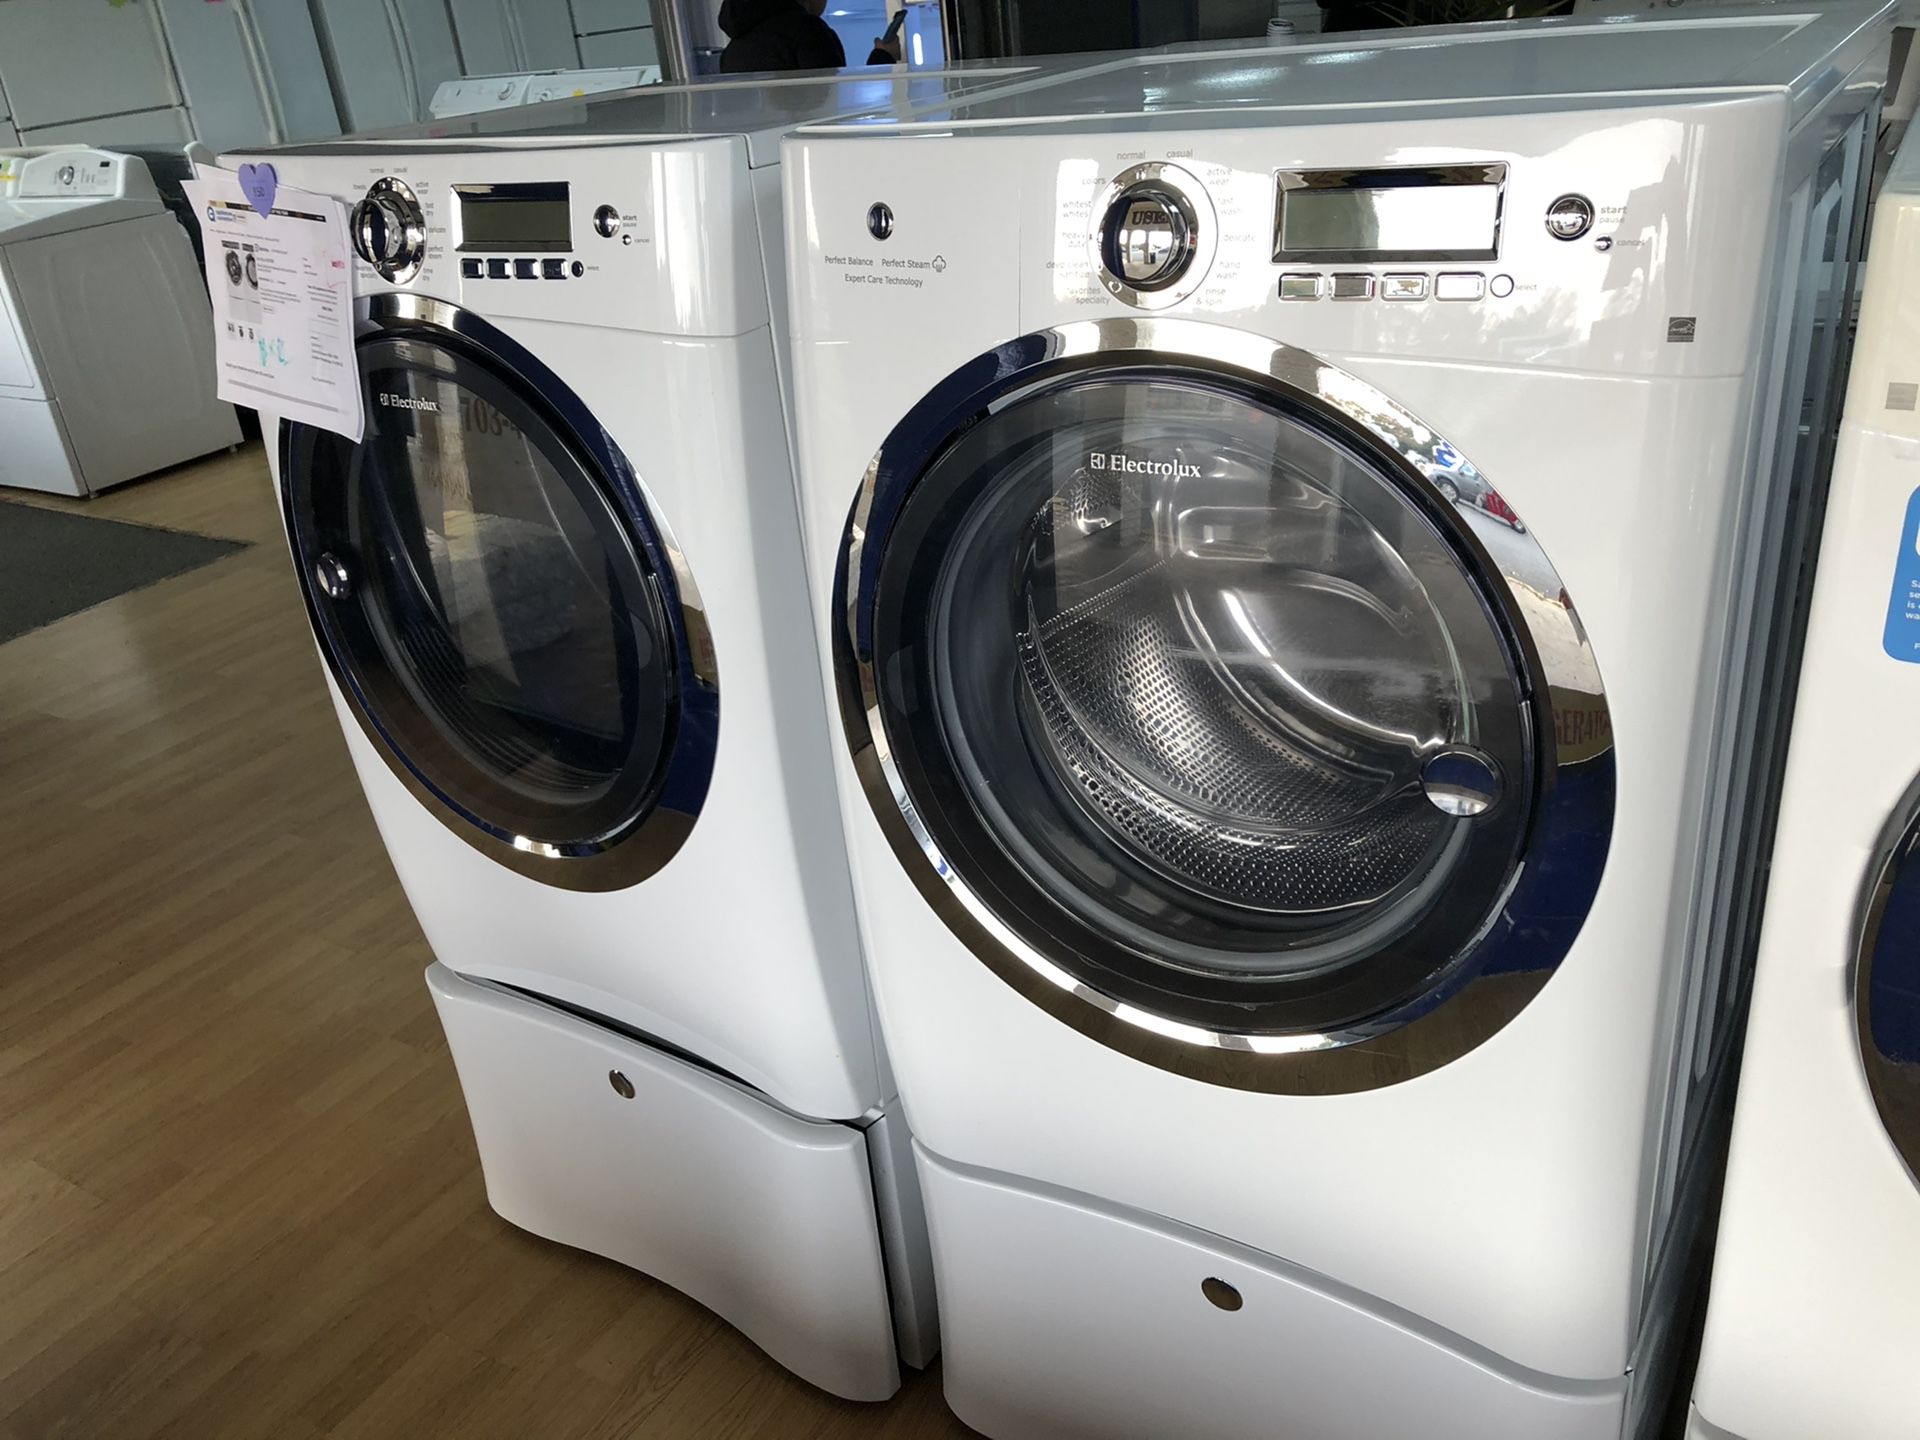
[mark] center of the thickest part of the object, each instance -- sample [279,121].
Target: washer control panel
[1410,233]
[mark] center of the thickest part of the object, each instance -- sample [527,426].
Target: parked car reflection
[1461,484]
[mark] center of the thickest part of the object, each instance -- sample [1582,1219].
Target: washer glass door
[498,621]
[1887,982]
[1218,714]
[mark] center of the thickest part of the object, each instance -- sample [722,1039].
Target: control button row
[520,269]
[1359,285]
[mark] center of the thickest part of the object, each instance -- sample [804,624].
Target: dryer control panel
[645,237]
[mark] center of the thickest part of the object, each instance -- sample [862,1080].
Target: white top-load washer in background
[474,94]
[1813,1324]
[106,342]
[560,595]
[1304,581]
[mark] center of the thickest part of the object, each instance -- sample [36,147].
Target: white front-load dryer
[1308,586]
[1813,1323]
[560,596]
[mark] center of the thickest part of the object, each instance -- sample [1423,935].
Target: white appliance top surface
[761,110]
[1541,63]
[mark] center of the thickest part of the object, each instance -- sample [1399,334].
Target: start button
[1569,217]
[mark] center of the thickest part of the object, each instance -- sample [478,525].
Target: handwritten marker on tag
[258,183]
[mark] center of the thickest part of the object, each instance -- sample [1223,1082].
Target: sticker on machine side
[1901,639]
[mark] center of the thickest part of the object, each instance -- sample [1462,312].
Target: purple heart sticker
[258,183]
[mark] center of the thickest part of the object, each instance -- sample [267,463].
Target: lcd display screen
[1380,216]
[523,219]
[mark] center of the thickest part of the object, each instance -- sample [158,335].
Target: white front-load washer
[560,596]
[1308,581]
[1813,1323]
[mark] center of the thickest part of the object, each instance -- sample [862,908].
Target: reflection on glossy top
[1564,60]
[759,107]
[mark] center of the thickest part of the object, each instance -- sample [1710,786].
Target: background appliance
[1304,611]
[106,342]
[385,58]
[250,71]
[560,596]
[89,74]
[501,36]
[618,32]
[505,92]
[1814,1317]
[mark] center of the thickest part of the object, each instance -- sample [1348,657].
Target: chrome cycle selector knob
[1153,236]
[1148,237]
[1569,217]
[390,231]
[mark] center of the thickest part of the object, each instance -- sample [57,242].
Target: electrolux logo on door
[407,402]
[1116,463]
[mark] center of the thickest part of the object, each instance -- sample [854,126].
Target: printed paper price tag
[280,275]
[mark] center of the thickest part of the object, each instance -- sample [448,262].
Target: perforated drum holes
[622,1086]
[1222,1295]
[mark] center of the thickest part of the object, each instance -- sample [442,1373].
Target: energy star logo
[407,402]
[1116,463]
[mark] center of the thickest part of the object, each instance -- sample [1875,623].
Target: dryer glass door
[1217,712]
[488,607]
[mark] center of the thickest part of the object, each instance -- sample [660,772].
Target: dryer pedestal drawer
[1064,1320]
[597,1141]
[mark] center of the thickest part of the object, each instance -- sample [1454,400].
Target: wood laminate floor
[238,1194]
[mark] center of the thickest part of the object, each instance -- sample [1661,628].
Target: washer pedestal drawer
[1065,1319]
[595,1140]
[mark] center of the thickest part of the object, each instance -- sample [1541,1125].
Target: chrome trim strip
[639,849]
[1556,879]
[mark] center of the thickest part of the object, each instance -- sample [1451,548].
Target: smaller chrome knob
[330,573]
[1569,217]
[606,222]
